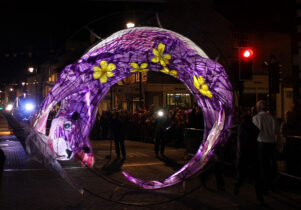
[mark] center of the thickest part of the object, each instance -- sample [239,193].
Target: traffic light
[245,63]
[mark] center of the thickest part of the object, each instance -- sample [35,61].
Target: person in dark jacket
[247,156]
[118,129]
[161,126]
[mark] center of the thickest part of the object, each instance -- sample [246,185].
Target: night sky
[32,32]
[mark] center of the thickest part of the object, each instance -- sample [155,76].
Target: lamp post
[11,94]
[34,70]
[131,24]
[140,91]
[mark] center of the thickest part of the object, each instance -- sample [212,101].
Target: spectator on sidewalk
[118,129]
[266,142]
[161,123]
[289,130]
[247,164]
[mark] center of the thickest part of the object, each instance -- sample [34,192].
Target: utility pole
[140,90]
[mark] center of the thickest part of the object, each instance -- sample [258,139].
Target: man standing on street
[118,128]
[161,124]
[266,144]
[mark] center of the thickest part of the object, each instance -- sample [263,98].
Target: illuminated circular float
[82,85]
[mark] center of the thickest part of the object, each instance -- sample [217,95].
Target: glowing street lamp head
[11,89]
[31,69]
[130,25]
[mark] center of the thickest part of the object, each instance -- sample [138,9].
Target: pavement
[28,185]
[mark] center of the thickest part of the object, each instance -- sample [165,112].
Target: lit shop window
[178,99]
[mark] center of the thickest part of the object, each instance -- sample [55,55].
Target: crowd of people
[261,138]
[256,138]
[144,124]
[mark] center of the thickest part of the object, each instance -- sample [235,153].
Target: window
[178,99]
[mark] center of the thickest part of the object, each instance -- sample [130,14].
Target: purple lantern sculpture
[82,85]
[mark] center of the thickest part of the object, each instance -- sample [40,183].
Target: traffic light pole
[245,72]
[271,107]
[240,99]
[140,91]
[273,72]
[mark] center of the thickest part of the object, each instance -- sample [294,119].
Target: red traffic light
[247,53]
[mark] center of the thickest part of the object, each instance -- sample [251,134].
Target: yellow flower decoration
[159,56]
[199,83]
[141,68]
[104,71]
[171,72]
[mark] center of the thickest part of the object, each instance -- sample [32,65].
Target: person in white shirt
[266,142]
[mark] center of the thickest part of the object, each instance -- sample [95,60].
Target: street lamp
[11,89]
[130,24]
[30,69]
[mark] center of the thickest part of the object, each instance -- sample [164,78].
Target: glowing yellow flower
[199,83]
[141,68]
[104,71]
[159,56]
[171,72]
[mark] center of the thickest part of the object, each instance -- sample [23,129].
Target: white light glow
[160,113]
[30,69]
[29,107]
[9,107]
[130,25]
